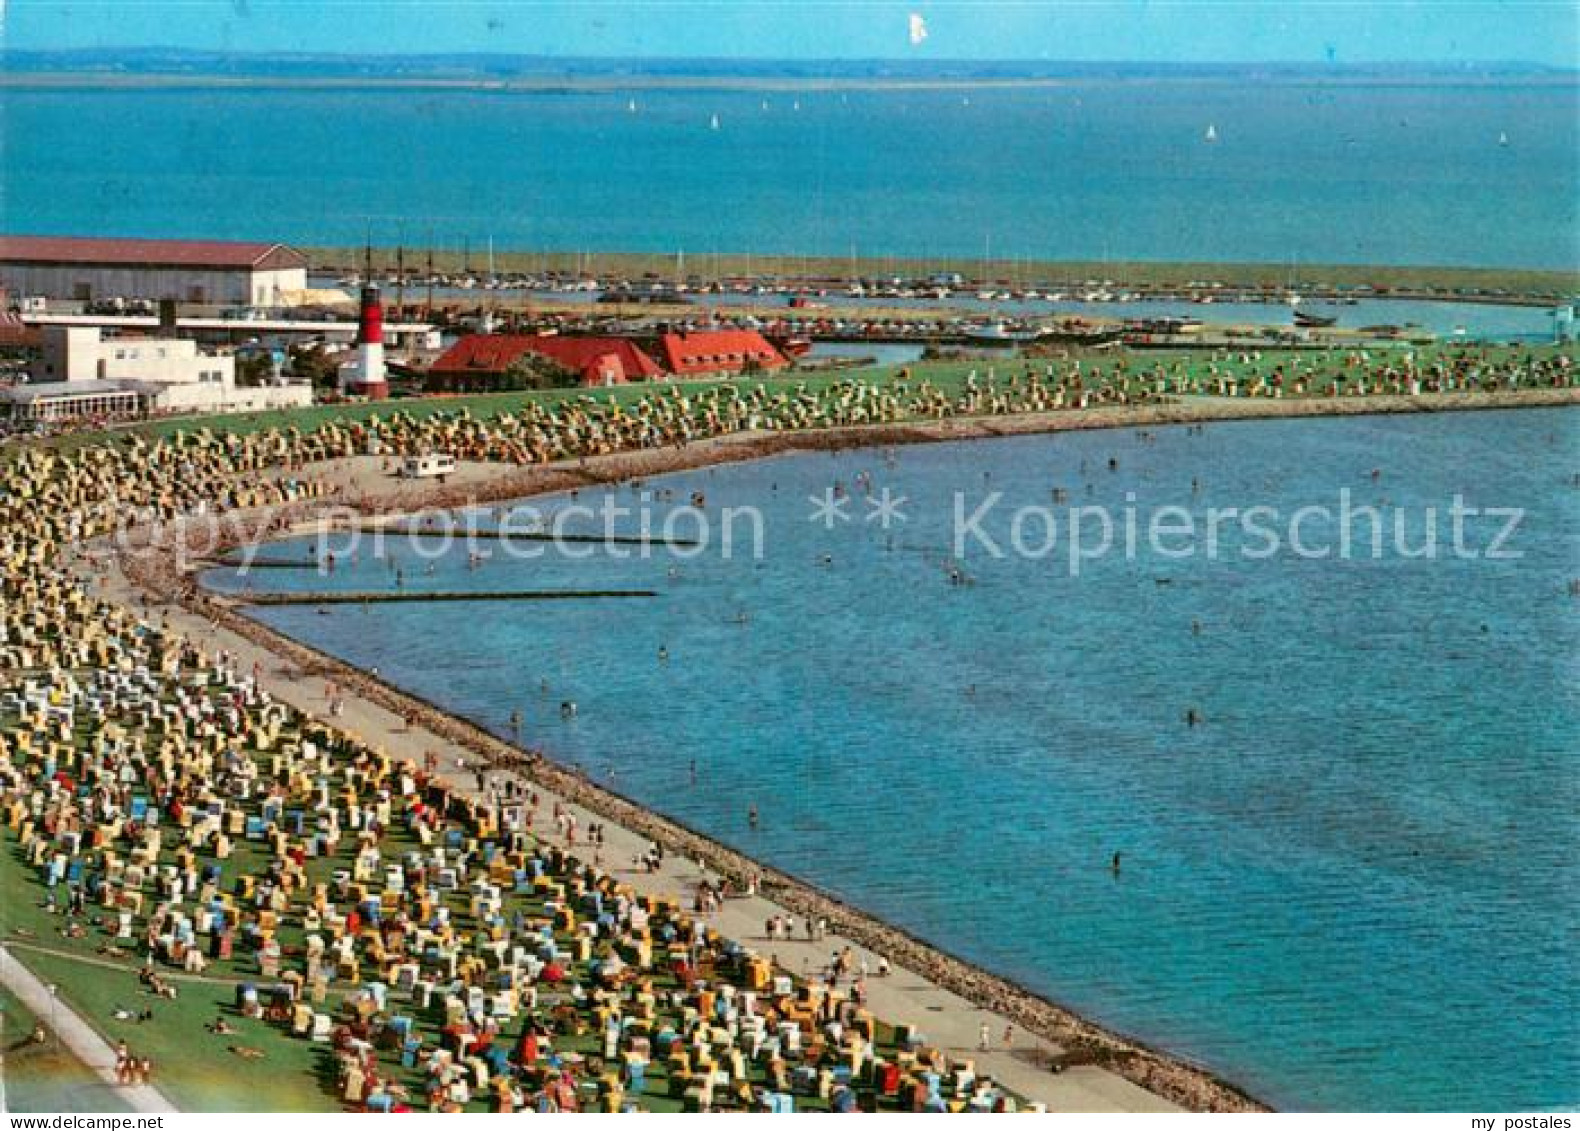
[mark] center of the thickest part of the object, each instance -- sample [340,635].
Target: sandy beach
[952,999]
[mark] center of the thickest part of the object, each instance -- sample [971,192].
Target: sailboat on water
[1503,140]
[1212,133]
[713,123]
[630,107]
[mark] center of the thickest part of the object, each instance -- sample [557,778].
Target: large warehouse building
[196,271]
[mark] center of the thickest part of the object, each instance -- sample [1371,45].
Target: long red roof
[715,351]
[147,253]
[495,353]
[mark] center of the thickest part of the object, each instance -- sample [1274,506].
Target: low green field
[948,376]
[45,1077]
[191,1065]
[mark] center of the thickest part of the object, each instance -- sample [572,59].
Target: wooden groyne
[386,598]
[463,533]
[231,561]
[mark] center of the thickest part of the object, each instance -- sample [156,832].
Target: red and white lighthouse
[365,376]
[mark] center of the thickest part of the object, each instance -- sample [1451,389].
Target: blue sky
[1541,31]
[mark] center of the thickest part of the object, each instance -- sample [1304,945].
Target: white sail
[1212,133]
[630,106]
[713,124]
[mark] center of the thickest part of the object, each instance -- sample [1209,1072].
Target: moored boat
[1000,332]
[792,346]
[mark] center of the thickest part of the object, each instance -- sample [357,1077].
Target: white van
[431,466]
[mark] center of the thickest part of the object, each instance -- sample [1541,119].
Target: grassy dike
[46,1077]
[1512,281]
[191,1066]
[949,377]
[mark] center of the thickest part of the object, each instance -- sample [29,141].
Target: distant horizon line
[99,59]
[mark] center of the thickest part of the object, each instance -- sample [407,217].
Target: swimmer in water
[1114,864]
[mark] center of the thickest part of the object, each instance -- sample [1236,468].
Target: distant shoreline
[1513,286]
[567,82]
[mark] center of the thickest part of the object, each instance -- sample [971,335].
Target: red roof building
[90,251]
[719,353]
[480,360]
[219,272]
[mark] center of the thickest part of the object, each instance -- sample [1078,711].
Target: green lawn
[192,1066]
[948,377]
[47,1077]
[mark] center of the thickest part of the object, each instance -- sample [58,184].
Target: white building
[198,271]
[83,373]
[83,353]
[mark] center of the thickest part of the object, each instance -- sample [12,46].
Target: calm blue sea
[1402,173]
[1353,886]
